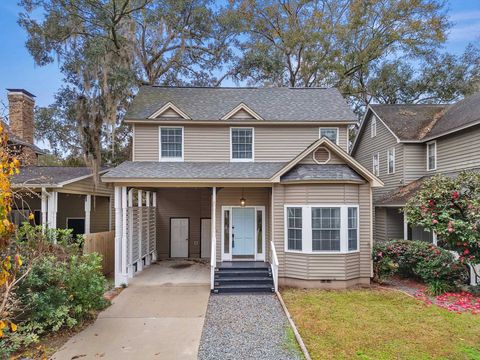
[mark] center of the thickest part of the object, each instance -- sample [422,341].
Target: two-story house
[405,144]
[250,178]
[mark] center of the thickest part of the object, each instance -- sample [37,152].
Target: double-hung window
[432,155]
[376,164]
[330,133]
[171,143]
[391,161]
[294,228]
[326,229]
[241,141]
[321,229]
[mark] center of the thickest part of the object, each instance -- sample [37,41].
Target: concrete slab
[159,316]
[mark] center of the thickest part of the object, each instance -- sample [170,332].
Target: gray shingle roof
[274,104]
[464,112]
[155,170]
[321,172]
[48,175]
[408,121]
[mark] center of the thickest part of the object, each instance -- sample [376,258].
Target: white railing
[274,264]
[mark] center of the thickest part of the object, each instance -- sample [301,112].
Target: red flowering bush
[451,208]
[435,266]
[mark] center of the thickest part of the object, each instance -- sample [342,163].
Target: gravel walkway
[246,327]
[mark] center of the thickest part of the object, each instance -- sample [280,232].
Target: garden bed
[380,324]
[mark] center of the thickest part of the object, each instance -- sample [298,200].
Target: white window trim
[434,142]
[373,127]
[172,159]
[228,256]
[307,228]
[253,144]
[388,161]
[337,141]
[377,154]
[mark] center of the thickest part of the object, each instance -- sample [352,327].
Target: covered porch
[219,225]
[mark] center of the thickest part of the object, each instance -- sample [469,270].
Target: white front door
[206,238]
[179,237]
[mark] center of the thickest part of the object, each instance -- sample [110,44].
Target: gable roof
[421,123]
[458,116]
[335,149]
[408,122]
[271,104]
[322,172]
[169,106]
[244,108]
[50,176]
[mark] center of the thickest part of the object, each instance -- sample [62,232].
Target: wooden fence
[102,243]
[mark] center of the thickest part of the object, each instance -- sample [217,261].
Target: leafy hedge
[62,289]
[435,266]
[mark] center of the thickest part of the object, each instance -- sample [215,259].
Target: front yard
[380,324]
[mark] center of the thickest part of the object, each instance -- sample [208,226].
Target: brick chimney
[20,105]
[21,124]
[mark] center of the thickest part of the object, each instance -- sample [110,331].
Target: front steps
[243,277]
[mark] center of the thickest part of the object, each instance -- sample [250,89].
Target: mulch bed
[458,302]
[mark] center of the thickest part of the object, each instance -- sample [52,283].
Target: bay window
[321,229]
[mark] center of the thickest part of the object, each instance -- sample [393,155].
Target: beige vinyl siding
[380,225]
[212,142]
[86,186]
[145,142]
[242,114]
[334,159]
[99,215]
[368,146]
[394,224]
[207,143]
[458,151]
[231,197]
[323,266]
[415,161]
[181,203]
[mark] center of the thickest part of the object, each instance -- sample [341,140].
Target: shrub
[56,293]
[435,266]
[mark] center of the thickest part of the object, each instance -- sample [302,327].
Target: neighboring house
[59,197]
[244,176]
[404,145]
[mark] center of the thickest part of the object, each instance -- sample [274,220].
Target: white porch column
[88,209]
[154,200]
[129,226]
[213,255]
[52,205]
[126,267]
[44,209]
[120,277]
[140,228]
[147,204]
[405,227]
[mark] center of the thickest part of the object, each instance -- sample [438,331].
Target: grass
[380,324]
[291,343]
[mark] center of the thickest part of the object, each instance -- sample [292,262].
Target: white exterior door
[179,237]
[206,238]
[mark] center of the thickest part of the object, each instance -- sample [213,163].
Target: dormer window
[330,133]
[374,126]
[241,144]
[171,143]
[432,155]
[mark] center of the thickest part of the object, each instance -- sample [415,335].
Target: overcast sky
[17,69]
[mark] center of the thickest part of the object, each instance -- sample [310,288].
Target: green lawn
[380,324]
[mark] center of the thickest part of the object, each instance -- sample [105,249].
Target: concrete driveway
[159,316]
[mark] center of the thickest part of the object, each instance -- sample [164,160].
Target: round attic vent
[321,155]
